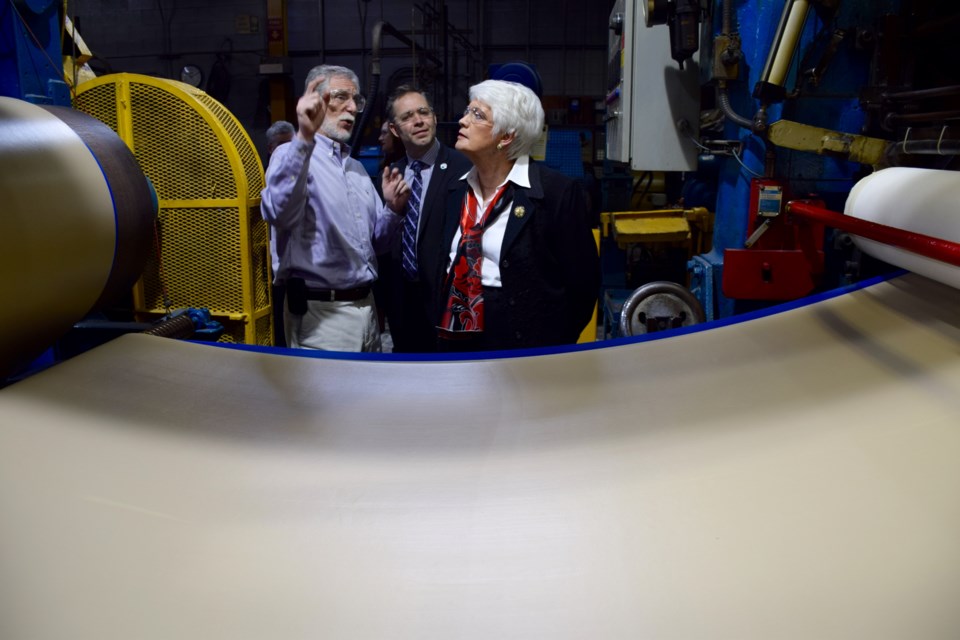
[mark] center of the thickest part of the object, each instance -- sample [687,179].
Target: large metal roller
[925,201]
[76,217]
[790,477]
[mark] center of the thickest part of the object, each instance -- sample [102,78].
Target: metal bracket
[727,148]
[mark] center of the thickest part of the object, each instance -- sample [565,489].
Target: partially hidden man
[431,169]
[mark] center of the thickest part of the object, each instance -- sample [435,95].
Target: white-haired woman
[518,265]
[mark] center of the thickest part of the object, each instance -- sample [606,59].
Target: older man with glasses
[430,168]
[330,222]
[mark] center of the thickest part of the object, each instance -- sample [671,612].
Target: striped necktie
[411,221]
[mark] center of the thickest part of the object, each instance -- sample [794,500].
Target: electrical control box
[652,105]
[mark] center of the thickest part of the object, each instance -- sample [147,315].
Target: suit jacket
[549,266]
[409,309]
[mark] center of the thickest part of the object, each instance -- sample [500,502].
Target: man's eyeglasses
[407,116]
[478,116]
[340,97]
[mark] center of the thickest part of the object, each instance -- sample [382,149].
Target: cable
[648,177]
[749,170]
[697,142]
[732,151]
[167,304]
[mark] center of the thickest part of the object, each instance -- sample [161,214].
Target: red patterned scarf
[464,310]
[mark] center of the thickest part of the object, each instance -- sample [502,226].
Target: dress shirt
[330,223]
[493,235]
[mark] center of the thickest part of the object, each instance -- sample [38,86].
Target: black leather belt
[331,295]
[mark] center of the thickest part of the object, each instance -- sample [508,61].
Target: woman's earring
[499,146]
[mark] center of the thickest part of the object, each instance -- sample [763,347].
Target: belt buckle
[333,295]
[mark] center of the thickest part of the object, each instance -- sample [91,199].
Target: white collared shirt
[493,236]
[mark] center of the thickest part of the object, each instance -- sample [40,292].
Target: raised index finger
[316,82]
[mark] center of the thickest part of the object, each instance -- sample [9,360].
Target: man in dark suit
[432,168]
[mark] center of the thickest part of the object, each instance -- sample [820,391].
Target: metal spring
[180,327]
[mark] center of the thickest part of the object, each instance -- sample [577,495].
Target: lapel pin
[443,166]
[519,211]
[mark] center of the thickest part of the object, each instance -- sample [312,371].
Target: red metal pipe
[924,245]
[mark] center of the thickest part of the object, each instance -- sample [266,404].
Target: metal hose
[181,327]
[723,98]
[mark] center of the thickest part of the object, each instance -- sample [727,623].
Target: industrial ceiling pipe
[379,30]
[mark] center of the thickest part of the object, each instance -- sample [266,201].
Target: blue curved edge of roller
[586,346]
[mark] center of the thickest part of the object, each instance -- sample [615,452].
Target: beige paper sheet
[794,476]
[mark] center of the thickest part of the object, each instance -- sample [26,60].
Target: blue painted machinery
[31,63]
[797,99]
[819,83]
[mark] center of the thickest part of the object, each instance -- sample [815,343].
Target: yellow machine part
[589,333]
[803,137]
[652,229]
[213,249]
[688,227]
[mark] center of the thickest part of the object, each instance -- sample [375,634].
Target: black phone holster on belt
[296,296]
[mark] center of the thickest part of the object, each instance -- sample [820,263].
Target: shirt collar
[331,146]
[519,174]
[430,157]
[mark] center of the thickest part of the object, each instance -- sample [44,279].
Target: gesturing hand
[311,109]
[396,191]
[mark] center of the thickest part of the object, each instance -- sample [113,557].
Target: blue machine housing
[833,103]
[31,63]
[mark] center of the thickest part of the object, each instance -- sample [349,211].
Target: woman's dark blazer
[549,266]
